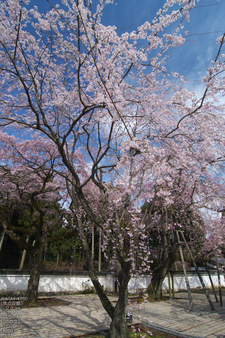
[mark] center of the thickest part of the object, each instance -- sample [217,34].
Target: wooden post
[169,285]
[23,256]
[100,251]
[219,281]
[172,284]
[93,243]
[199,275]
[210,278]
[185,273]
[22,259]
[2,239]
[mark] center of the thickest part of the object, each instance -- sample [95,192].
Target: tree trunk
[160,272]
[155,288]
[35,252]
[118,327]
[33,283]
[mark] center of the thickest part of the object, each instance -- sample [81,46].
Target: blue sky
[206,24]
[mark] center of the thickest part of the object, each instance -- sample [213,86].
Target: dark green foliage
[10,254]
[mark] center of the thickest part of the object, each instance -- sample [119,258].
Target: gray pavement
[85,314]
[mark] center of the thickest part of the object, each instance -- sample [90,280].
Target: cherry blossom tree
[216,234]
[164,243]
[29,197]
[126,131]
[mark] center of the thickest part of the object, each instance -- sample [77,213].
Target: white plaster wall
[54,283]
[76,283]
[138,283]
[13,282]
[180,284]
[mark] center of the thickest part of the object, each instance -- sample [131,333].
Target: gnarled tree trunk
[160,272]
[33,283]
[118,327]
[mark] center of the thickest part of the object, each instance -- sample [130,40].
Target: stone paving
[85,314]
[175,315]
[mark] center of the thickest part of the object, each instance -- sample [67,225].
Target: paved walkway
[85,314]
[175,315]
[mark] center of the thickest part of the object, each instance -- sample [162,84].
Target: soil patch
[154,333]
[138,300]
[136,331]
[210,291]
[45,302]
